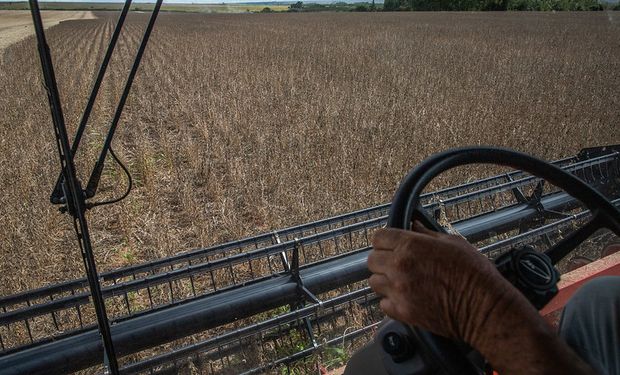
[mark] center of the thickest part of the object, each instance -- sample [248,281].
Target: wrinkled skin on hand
[441,283]
[435,281]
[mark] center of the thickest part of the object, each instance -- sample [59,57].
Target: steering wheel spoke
[420,214]
[574,239]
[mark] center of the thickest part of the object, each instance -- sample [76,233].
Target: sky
[165,1]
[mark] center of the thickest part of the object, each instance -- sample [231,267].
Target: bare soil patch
[16,25]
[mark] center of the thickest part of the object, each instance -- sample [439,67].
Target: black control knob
[531,272]
[397,346]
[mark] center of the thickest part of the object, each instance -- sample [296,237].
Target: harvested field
[16,25]
[240,124]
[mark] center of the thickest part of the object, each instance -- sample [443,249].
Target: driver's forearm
[516,340]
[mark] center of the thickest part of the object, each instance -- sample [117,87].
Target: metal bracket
[519,195]
[534,201]
[534,198]
[303,292]
[301,288]
[516,191]
[283,258]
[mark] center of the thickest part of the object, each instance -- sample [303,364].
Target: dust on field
[16,25]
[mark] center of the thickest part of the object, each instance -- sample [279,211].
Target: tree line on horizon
[493,5]
[458,5]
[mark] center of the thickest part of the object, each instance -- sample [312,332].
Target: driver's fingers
[379,283]
[387,238]
[389,307]
[390,239]
[379,261]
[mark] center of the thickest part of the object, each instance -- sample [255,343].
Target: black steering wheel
[456,358]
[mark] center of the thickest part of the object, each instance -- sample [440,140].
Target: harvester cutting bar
[504,220]
[227,266]
[336,241]
[130,336]
[264,239]
[229,347]
[268,330]
[224,307]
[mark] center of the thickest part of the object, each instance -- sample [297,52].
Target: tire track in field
[82,62]
[147,88]
[149,82]
[176,70]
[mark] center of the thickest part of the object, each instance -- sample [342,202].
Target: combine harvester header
[273,299]
[264,302]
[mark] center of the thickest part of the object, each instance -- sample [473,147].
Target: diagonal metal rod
[576,238]
[93,181]
[72,189]
[56,197]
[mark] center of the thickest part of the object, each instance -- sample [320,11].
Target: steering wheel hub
[531,272]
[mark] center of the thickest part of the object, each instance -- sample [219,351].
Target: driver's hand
[442,284]
[436,281]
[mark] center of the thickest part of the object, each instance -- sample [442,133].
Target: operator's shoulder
[599,289]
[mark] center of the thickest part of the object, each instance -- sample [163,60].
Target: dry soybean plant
[240,124]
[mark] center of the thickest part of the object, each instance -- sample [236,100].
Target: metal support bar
[56,196]
[72,189]
[302,292]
